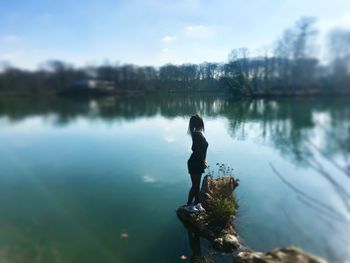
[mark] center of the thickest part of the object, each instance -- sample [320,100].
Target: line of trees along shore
[290,67]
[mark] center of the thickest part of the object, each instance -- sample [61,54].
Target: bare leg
[194,191]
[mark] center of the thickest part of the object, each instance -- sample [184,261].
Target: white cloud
[10,39]
[148,179]
[199,31]
[169,139]
[168,39]
[12,56]
[165,50]
[193,28]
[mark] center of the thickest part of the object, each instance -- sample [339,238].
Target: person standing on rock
[196,163]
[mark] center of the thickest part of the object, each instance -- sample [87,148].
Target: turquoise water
[99,180]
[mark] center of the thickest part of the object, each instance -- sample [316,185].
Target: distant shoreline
[260,95]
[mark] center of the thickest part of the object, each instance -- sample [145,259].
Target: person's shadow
[195,245]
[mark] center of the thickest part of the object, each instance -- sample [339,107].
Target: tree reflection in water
[312,132]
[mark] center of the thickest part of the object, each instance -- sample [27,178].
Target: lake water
[99,180]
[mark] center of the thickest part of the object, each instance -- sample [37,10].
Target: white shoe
[191,209]
[199,207]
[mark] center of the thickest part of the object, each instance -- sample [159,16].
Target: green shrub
[222,209]
[221,202]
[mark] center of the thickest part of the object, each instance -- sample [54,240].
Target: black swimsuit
[199,151]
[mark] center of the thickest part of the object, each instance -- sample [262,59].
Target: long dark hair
[196,124]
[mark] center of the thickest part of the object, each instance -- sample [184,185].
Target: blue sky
[151,32]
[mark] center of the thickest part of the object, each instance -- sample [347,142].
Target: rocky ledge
[216,225]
